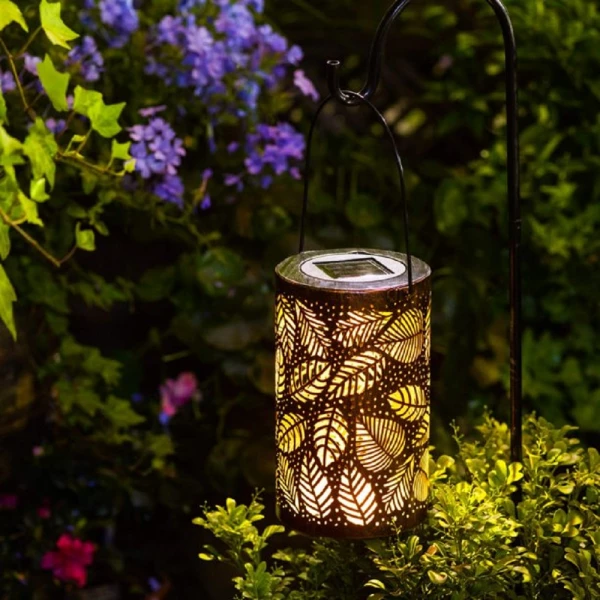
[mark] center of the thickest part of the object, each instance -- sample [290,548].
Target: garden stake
[353,355]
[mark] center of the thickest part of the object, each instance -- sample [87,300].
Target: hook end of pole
[333,82]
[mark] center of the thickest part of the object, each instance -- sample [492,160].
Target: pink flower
[174,393]
[70,561]
[44,512]
[37,451]
[8,501]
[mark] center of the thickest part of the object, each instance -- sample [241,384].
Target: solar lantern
[352,353]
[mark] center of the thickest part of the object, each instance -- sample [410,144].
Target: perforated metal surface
[353,393]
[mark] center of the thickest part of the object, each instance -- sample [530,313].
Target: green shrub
[474,543]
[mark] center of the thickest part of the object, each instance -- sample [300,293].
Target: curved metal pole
[514,201]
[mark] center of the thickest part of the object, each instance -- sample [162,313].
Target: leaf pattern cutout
[285,326]
[403,339]
[378,442]
[422,434]
[315,490]
[398,486]
[291,432]
[358,327]
[279,374]
[358,374]
[427,340]
[287,484]
[330,436]
[409,403]
[356,497]
[313,332]
[421,481]
[309,379]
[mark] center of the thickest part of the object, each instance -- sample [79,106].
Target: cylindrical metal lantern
[353,392]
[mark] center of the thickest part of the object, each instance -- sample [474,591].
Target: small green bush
[474,544]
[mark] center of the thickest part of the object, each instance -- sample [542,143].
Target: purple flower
[87,57]
[305,85]
[170,30]
[234,180]
[151,110]
[273,41]
[56,126]
[248,94]
[31,63]
[7,82]
[295,55]
[273,148]
[170,189]
[121,17]
[157,150]
[206,202]
[199,40]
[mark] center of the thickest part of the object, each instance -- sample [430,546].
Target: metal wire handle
[358,99]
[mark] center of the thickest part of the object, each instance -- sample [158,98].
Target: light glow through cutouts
[352,393]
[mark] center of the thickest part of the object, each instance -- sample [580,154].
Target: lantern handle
[397,158]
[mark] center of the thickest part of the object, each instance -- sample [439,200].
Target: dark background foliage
[161,301]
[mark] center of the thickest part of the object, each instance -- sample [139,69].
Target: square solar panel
[358,267]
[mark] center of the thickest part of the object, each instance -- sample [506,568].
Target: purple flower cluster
[229,51]
[87,57]
[270,151]
[158,154]
[119,18]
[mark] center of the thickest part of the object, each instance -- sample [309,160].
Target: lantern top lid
[351,269]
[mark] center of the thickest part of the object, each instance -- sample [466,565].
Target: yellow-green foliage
[474,544]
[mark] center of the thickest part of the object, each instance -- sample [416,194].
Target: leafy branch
[16,225]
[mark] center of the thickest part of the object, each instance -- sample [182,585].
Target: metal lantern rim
[289,270]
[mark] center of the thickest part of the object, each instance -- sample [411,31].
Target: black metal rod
[514,201]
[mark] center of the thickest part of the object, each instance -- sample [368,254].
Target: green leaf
[362,211]
[515,472]
[7,298]
[437,578]
[121,414]
[10,149]
[37,190]
[104,118]
[2,108]
[450,207]
[120,151]
[83,100]
[40,147]
[30,209]
[56,30]
[204,556]
[4,240]
[85,238]
[89,181]
[10,13]
[55,83]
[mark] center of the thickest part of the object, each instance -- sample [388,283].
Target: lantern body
[352,392]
